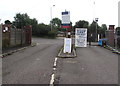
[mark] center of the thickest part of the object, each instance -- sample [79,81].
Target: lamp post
[51,16]
[96,20]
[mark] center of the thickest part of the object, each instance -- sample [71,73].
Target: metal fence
[14,37]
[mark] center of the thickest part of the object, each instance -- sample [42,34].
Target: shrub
[52,34]
[118,42]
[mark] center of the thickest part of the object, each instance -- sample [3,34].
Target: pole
[0,39]
[96,20]
[51,16]
[96,31]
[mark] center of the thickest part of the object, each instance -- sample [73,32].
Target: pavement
[10,51]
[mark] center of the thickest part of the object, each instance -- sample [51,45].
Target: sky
[105,10]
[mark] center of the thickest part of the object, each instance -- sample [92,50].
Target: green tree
[118,31]
[92,30]
[34,24]
[103,30]
[82,24]
[21,20]
[42,30]
[8,22]
[56,22]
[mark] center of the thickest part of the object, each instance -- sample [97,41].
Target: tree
[56,22]
[82,24]
[21,20]
[92,30]
[34,24]
[7,22]
[103,30]
[118,31]
[42,30]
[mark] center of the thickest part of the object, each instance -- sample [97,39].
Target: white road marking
[54,69]
[55,62]
[56,59]
[53,75]
[52,79]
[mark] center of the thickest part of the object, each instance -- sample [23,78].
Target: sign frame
[81,37]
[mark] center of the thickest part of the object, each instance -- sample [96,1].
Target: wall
[15,37]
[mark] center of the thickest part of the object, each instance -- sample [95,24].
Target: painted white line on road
[60,52]
[56,59]
[52,79]
[55,62]
[53,75]
[54,69]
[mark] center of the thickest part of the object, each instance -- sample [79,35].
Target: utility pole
[96,20]
[0,39]
[51,16]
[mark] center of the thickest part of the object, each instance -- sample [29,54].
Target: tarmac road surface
[32,65]
[93,65]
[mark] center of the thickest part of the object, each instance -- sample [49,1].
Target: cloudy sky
[105,10]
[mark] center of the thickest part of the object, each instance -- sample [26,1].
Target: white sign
[66,17]
[81,37]
[67,45]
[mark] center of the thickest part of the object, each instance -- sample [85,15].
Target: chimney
[111,27]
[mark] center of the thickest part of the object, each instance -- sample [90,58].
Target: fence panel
[18,36]
[12,37]
[15,37]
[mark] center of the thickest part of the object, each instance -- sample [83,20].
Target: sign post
[66,24]
[81,37]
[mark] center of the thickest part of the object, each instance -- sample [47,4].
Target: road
[93,65]
[34,65]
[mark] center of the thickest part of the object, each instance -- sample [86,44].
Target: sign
[65,26]
[67,45]
[66,17]
[81,37]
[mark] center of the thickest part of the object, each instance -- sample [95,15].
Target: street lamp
[96,20]
[51,16]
